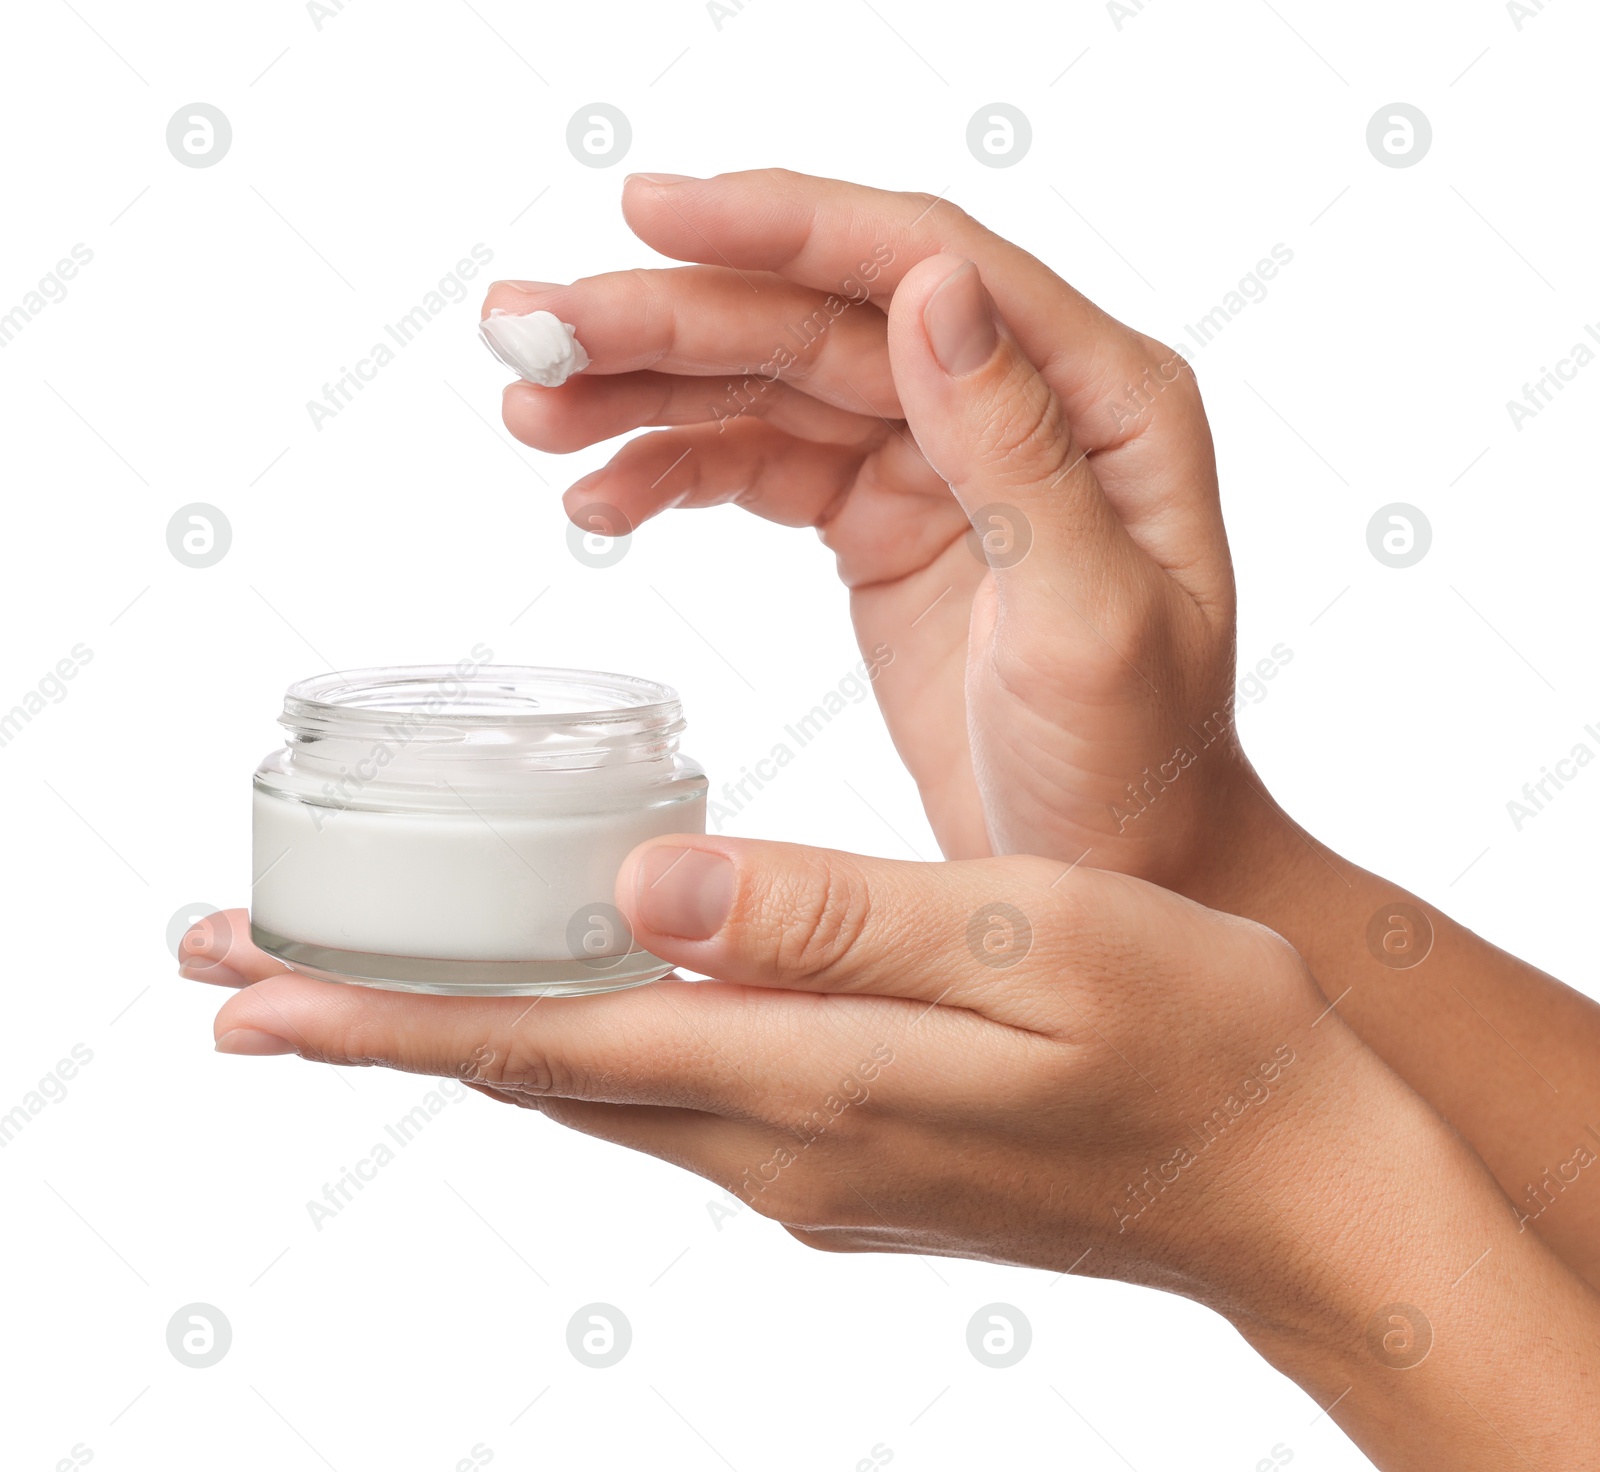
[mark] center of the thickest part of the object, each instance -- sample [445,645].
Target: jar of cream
[459,828]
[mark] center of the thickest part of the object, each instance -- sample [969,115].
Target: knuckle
[521,1069]
[1024,430]
[822,915]
[1065,906]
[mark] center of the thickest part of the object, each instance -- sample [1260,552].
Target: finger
[218,950]
[846,238]
[704,321]
[986,418]
[677,1044]
[778,476]
[585,410]
[1124,393]
[779,915]
[886,513]
[722,1150]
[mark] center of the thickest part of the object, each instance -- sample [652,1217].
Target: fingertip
[213,973]
[276,1006]
[520,297]
[922,280]
[680,887]
[212,936]
[959,322]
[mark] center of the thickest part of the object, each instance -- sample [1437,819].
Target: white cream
[460,828]
[538,346]
[449,885]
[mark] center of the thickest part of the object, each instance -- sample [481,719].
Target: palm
[1056,747]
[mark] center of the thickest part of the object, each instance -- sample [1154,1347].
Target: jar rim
[526,698]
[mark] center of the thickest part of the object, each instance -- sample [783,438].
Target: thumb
[807,919]
[991,425]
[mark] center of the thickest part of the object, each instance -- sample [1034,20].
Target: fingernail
[684,892]
[251,1042]
[527,285]
[213,972]
[663,178]
[960,322]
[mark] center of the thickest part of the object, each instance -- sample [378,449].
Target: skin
[1146,1090]
[1026,700]
[1026,696]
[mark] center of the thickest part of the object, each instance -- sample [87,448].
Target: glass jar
[458,829]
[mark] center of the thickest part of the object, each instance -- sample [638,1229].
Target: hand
[971,1059]
[1028,698]
[1038,702]
[1128,1086]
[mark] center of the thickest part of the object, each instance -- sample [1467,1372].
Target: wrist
[1254,859]
[1404,1298]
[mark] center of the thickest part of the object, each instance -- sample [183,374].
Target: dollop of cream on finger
[537,346]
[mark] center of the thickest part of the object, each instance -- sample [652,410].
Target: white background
[368,157]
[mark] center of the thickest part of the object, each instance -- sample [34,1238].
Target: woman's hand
[928,396]
[1074,698]
[992,1059]
[988,1059]
[983,1059]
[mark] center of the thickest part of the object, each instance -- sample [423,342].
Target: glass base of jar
[436,977]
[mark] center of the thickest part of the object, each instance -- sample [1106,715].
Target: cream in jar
[458,829]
